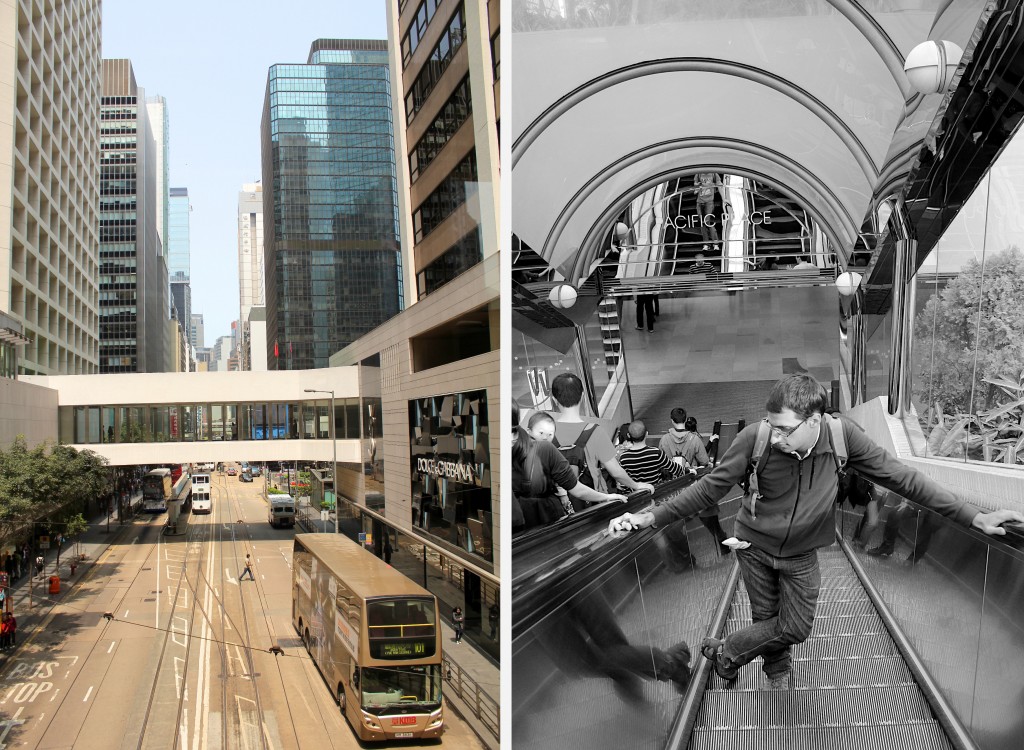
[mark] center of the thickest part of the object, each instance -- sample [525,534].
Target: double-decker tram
[201,500]
[374,635]
[159,487]
[156,489]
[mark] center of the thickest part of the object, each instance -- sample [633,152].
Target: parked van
[282,510]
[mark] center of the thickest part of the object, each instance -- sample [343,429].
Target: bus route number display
[400,649]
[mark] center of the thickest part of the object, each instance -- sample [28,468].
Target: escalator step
[921,736]
[840,608]
[857,645]
[737,709]
[812,674]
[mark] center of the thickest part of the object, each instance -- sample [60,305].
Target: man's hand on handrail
[991,523]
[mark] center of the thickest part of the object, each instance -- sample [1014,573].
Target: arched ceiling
[807,96]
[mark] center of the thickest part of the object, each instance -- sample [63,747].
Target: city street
[160,645]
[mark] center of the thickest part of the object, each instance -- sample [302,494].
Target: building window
[447,197]
[435,67]
[457,259]
[447,123]
[496,55]
[417,29]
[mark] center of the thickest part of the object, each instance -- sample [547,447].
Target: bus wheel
[341,700]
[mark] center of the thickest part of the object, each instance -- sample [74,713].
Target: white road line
[87,694]
[126,614]
[112,644]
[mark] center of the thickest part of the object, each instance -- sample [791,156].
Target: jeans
[249,571]
[783,595]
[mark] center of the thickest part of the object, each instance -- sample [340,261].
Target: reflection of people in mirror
[706,184]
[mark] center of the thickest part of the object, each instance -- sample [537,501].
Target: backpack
[576,455]
[762,445]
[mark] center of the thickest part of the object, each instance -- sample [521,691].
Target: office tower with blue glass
[332,259]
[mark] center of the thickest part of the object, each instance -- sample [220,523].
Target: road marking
[14,721]
[87,694]
[112,644]
[231,578]
[126,614]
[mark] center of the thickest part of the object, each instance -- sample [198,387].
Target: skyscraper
[49,180]
[134,304]
[178,254]
[250,264]
[156,109]
[333,269]
[197,335]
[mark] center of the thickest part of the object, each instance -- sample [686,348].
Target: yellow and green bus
[374,635]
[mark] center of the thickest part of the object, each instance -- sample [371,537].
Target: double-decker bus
[201,499]
[374,635]
[159,487]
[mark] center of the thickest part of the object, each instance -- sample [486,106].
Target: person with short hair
[780,527]
[567,395]
[646,463]
[247,569]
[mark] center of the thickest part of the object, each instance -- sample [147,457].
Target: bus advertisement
[374,635]
[201,498]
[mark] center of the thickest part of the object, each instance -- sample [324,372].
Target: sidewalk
[472,687]
[83,554]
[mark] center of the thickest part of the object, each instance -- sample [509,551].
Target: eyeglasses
[784,432]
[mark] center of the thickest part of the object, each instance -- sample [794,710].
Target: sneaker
[711,649]
[881,549]
[779,681]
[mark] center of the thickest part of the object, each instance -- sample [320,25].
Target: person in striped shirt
[646,463]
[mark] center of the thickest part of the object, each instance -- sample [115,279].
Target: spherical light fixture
[848,282]
[621,232]
[563,296]
[930,66]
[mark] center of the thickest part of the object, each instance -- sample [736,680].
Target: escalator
[919,648]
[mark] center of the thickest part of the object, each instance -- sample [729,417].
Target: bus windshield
[382,687]
[401,628]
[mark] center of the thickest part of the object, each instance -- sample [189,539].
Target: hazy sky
[210,61]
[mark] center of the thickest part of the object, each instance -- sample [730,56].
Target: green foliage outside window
[971,384]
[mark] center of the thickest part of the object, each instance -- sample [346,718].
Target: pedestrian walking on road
[457,621]
[40,565]
[248,569]
[13,632]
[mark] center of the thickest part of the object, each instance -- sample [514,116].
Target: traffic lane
[58,675]
[300,677]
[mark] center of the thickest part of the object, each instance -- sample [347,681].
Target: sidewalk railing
[483,706]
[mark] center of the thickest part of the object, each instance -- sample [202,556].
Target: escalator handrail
[545,560]
[955,730]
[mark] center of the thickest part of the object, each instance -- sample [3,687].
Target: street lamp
[334,445]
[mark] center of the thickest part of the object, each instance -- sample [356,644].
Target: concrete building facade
[49,181]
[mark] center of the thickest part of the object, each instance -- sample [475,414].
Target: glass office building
[333,266]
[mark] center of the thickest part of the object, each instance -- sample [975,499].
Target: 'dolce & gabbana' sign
[458,471]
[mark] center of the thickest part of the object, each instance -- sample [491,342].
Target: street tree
[47,486]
